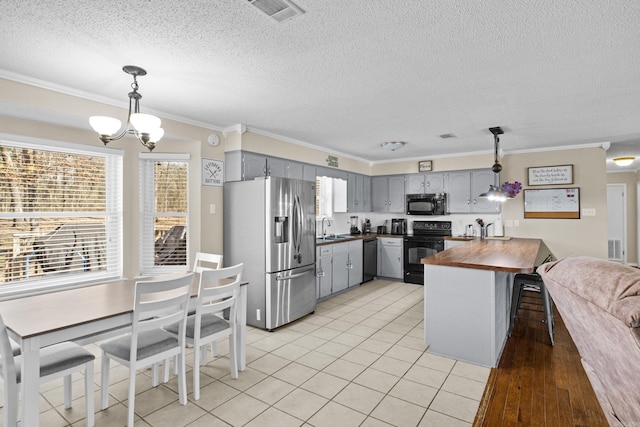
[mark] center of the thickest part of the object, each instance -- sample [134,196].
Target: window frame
[114,159]
[148,213]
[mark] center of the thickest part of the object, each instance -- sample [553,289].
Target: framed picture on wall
[424,166]
[551,175]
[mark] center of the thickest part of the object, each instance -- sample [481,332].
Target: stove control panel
[443,227]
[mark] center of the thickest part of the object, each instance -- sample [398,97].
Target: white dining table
[84,314]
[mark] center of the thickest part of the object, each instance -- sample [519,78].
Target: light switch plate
[588,212]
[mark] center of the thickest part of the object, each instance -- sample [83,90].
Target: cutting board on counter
[498,238]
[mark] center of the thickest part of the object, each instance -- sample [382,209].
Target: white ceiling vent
[280,10]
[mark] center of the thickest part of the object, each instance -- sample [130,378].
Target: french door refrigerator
[269,225]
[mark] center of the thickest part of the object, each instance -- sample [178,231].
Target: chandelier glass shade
[145,127]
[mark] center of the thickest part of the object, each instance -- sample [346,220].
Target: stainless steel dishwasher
[370,261]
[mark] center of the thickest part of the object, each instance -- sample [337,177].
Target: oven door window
[415,254]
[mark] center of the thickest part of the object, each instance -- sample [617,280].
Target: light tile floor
[360,360]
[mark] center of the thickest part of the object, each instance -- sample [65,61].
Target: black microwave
[427,204]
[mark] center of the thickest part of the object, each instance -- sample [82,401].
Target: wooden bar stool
[531,282]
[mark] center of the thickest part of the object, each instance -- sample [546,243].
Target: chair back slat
[214,299]
[209,259]
[159,303]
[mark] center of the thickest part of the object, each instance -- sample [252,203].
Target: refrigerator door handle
[295,224]
[293,276]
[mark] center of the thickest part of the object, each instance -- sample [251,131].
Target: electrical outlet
[508,223]
[212,208]
[516,223]
[589,212]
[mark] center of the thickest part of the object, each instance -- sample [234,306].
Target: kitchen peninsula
[467,296]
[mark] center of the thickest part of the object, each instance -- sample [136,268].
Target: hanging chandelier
[144,126]
[496,193]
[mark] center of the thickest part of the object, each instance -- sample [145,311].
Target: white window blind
[164,212]
[60,215]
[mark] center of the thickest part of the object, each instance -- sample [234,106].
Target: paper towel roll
[498,229]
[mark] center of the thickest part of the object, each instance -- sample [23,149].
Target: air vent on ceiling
[280,10]
[447,135]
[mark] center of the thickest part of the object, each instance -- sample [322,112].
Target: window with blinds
[60,214]
[164,207]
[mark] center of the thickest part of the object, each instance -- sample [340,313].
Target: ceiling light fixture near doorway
[623,161]
[145,126]
[392,145]
[280,10]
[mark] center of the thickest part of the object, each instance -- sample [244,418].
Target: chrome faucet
[324,218]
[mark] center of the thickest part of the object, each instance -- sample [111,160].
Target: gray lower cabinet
[390,259]
[324,273]
[338,267]
[356,253]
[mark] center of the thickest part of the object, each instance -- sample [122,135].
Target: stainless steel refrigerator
[269,225]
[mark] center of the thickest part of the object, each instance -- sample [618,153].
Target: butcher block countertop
[516,255]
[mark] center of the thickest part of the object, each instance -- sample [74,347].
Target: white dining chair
[208,324]
[56,361]
[157,303]
[205,260]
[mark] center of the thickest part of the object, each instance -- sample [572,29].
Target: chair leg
[132,393]
[10,410]
[88,393]
[515,305]
[165,375]
[182,377]
[233,355]
[203,355]
[154,374]
[67,391]
[104,381]
[196,371]
[548,311]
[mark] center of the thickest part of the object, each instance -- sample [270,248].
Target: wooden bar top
[514,256]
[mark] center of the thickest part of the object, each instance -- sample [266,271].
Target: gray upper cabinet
[414,183]
[366,196]
[309,172]
[245,166]
[480,181]
[387,193]
[295,170]
[253,166]
[434,182]
[464,187]
[358,197]
[420,183]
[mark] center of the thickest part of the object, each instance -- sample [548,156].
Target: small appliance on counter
[366,226]
[399,226]
[382,229]
[354,225]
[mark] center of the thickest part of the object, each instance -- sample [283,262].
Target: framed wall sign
[424,166]
[550,175]
[552,203]
[212,172]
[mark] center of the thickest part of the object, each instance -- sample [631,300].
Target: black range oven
[427,239]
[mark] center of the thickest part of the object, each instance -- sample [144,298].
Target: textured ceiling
[348,75]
